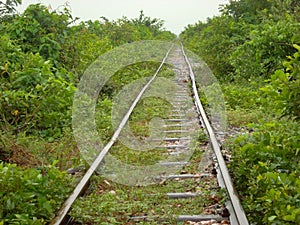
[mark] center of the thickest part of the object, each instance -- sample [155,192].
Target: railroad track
[179,143]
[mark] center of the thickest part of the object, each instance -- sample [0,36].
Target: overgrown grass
[115,204]
[30,151]
[112,203]
[245,103]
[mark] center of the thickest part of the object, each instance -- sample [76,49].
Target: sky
[176,14]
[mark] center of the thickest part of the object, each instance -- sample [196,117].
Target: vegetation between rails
[113,203]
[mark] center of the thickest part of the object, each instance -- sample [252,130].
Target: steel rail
[62,214]
[239,213]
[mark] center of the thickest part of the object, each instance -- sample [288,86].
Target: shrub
[265,168]
[283,87]
[31,196]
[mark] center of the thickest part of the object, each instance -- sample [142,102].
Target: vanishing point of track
[237,214]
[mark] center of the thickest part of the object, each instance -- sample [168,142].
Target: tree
[215,41]
[247,10]
[9,6]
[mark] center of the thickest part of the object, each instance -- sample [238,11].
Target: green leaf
[290,217]
[272,218]
[296,47]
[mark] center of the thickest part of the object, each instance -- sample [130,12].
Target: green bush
[267,46]
[31,196]
[242,95]
[265,168]
[215,41]
[39,31]
[284,87]
[34,97]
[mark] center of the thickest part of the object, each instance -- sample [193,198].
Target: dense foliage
[43,56]
[248,39]
[253,47]
[31,196]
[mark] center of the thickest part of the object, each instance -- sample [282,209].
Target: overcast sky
[176,13]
